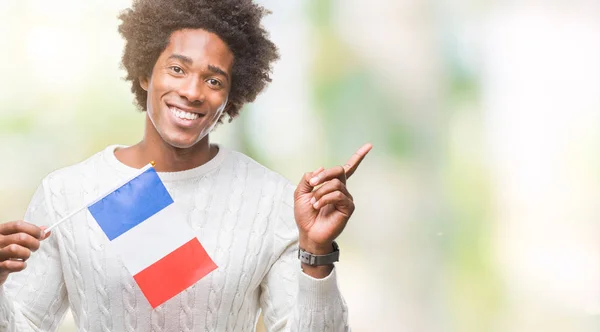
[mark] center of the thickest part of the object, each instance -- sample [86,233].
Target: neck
[167,157]
[172,159]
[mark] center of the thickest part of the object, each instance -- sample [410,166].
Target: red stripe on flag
[175,272]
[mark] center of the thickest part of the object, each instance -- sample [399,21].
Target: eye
[214,82]
[176,69]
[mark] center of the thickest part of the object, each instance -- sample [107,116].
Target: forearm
[35,299]
[7,320]
[319,306]
[294,300]
[11,318]
[32,302]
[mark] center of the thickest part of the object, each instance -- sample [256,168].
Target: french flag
[147,230]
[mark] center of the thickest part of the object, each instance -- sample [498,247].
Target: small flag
[157,246]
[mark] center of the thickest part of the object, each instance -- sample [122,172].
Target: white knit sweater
[241,212]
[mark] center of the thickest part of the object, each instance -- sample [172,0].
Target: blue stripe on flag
[131,204]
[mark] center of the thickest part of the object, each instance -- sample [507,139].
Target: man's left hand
[323,205]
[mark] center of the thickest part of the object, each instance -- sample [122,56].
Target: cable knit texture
[241,212]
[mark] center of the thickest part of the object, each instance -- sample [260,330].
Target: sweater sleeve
[292,300]
[35,299]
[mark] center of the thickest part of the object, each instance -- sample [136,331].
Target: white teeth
[183,114]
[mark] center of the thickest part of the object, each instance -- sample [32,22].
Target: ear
[144,83]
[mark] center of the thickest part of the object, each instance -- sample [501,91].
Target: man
[191,63]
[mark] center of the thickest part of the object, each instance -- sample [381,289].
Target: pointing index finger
[352,163]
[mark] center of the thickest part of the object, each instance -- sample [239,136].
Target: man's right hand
[18,239]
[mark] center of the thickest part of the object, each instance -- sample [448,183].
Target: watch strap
[317,260]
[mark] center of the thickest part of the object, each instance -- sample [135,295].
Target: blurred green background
[477,208]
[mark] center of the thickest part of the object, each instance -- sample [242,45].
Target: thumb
[44,234]
[304,187]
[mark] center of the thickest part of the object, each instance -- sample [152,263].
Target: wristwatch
[316,260]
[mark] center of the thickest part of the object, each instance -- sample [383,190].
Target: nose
[191,89]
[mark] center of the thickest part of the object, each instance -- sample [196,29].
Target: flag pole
[117,186]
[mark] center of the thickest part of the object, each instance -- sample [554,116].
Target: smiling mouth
[183,114]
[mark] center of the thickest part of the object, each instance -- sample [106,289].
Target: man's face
[189,87]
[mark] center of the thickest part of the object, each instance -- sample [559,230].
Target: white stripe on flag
[153,239]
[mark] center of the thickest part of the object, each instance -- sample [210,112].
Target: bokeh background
[478,206]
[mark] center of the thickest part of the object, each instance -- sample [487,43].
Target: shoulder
[245,166]
[243,162]
[91,169]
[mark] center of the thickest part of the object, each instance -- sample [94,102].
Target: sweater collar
[214,163]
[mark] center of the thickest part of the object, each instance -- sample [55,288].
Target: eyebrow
[182,58]
[188,61]
[218,70]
